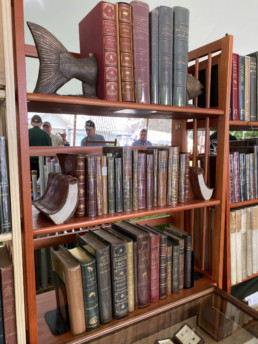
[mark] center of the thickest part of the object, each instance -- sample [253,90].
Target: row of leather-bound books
[123,179]
[112,271]
[142,56]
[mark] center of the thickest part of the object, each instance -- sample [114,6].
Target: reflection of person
[57,140]
[142,140]
[37,137]
[91,135]
[214,139]
[123,141]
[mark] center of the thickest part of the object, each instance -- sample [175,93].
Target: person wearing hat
[92,136]
[57,140]
[37,137]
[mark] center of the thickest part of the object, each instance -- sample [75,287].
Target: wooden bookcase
[8,129]
[35,225]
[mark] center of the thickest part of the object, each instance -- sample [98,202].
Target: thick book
[182,180]
[255,55]
[99,185]
[111,185]
[60,198]
[104,185]
[173,168]
[253,86]
[91,186]
[74,165]
[238,246]
[241,88]
[118,260]
[118,184]
[127,178]
[142,239]
[247,88]
[89,284]
[169,269]
[242,179]
[5,206]
[101,21]
[235,88]
[69,270]
[180,51]
[154,56]
[149,180]
[130,266]
[254,219]
[236,177]
[141,179]
[135,179]
[141,51]
[249,242]
[256,170]
[199,187]
[175,266]
[162,177]
[125,52]
[101,252]
[243,243]
[8,296]
[162,259]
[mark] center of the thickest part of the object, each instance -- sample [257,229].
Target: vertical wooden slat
[74,129]
[207,149]
[195,143]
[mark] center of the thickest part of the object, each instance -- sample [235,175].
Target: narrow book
[89,284]
[101,252]
[135,179]
[127,178]
[99,185]
[118,184]
[141,179]
[60,198]
[241,88]
[162,177]
[154,56]
[91,186]
[249,241]
[233,258]
[104,184]
[235,87]
[238,247]
[111,185]
[118,271]
[69,270]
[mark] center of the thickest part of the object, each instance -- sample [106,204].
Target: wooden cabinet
[34,225]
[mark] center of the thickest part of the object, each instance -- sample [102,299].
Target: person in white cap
[57,140]
[92,136]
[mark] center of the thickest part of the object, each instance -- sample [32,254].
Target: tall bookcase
[34,225]
[8,129]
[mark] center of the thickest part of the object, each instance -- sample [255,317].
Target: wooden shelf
[243,125]
[243,204]
[43,225]
[246,279]
[49,103]
[46,302]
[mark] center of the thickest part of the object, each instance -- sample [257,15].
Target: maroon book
[235,88]
[98,35]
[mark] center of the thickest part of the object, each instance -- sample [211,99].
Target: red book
[98,35]
[235,87]
[141,50]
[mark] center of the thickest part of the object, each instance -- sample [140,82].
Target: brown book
[182,192]
[60,198]
[100,22]
[104,185]
[199,187]
[162,177]
[125,52]
[91,186]
[173,167]
[8,296]
[141,178]
[99,186]
[69,270]
[141,51]
[74,165]
[135,179]
[149,180]
[127,178]
[169,269]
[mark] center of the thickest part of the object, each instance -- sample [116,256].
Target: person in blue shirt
[91,135]
[142,140]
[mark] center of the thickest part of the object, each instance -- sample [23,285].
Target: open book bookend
[199,187]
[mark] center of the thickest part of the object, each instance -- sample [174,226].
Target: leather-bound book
[256,170]
[235,87]
[141,51]
[100,22]
[247,88]
[118,185]
[173,167]
[101,252]
[149,181]
[165,55]
[60,198]
[141,178]
[69,270]
[233,251]
[255,56]
[118,271]
[104,185]
[247,178]
[249,241]
[175,266]
[182,178]
[8,296]
[180,58]
[89,284]
[127,178]
[125,52]
[135,179]
[154,56]
[155,176]
[242,172]
[74,165]
[253,88]
[99,185]
[231,179]
[252,181]
[154,263]
[111,185]
[241,66]
[162,177]
[162,260]
[5,207]
[169,269]
[199,187]
[91,186]
[188,271]
[130,266]
[142,239]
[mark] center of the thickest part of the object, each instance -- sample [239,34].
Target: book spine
[90,293]
[91,186]
[169,270]
[170,172]
[154,55]
[256,170]
[119,185]
[141,171]
[135,269]
[155,177]
[1,319]
[236,177]
[253,89]
[241,88]
[247,176]
[8,304]
[99,186]
[111,185]
[182,178]
[80,174]
[254,219]
[243,243]
[188,263]
[235,87]
[125,52]
[140,22]
[249,243]
[242,177]
[252,181]
[180,58]
[165,55]
[130,276]
[162,177]
[231,179]
[143,273]
[154,267]
[174,176]
[104,185]
[233,246]
[135,179]
[149,182]
[238,247]
[5,207]
[119,281]
[175,269]
[127,178]
[247,88]
[163,267]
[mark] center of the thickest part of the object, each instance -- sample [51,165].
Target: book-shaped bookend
[199,187]
[187,335]
[60,198]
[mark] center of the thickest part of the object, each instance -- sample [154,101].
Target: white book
[243,243]
[238,246]
[254,237]
[249,242]
[233,246]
